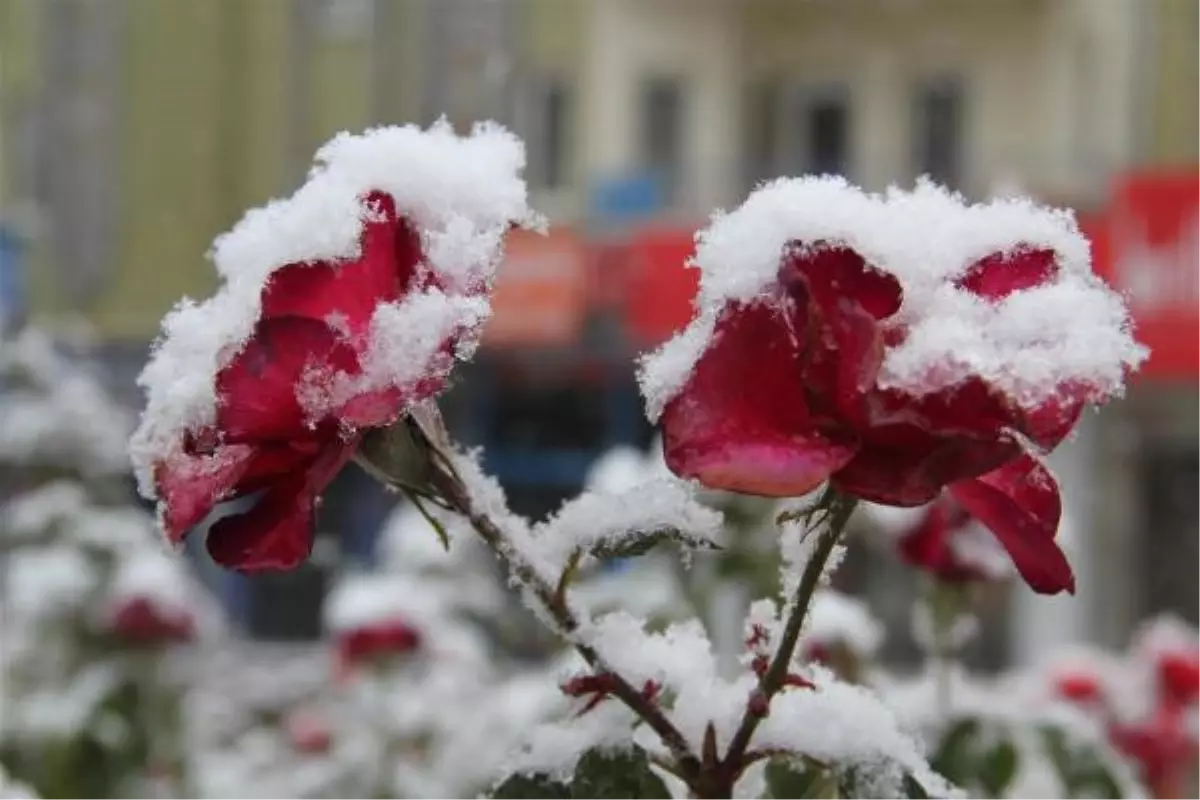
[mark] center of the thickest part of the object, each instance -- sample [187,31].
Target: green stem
[838,509]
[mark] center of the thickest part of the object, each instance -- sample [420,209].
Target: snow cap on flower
[895,346]
[340,309]
[150,601]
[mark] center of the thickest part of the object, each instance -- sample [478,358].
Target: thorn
[759,705]
[709,750]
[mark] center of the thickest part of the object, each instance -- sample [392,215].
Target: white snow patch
[595,520]
[1073,329]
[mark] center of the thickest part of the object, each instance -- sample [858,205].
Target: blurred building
[136,130]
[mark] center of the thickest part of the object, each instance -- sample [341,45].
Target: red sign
[660,287]
[1146,247]
[540,297]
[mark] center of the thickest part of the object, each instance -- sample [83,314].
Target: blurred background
[134,131]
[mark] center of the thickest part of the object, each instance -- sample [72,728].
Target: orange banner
[660,286]
[1145,246]
[540,298]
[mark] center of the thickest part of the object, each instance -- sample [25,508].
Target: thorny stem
[837,510]
[451,489]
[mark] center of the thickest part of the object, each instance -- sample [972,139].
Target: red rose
[1079,688]
[383,639]
[293,403]
[1019,503]
[340,309]
[141,621]
[1163,748]
[308,733]
[826,370]
[1179,678]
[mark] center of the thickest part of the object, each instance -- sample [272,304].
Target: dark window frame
[662,136]
[939,126]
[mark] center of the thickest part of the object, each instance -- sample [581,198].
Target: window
[345,19]
[820,140]
[939,131]
[762,130]
[662,132]
[547,128]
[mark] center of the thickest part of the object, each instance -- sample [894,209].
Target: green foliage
[970,758]
[642,542]
[599,774]
[1079,766]
[799,777]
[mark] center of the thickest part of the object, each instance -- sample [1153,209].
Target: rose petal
[258,397]
[1051,421]
[189,486]
[277,533]
[1020,504]
[1001,274]
[840,300]
[346,294]
[903,465]
[741,422]
[832,274]
[927,545]
[971,408]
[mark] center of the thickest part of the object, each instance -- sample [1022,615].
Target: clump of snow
[153,575]
[405,339]
[845,724]
[33,513]
[620,469]
[1071,329]
[554,748]
[460,193]
[47,582]
[1012,706]
[370,598]
[595,521]
[835,618]
[11,789]
[54,412]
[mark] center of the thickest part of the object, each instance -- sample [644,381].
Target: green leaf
[956,755]
[1098,785]
[796,777]
[998,767]
[914,789]
[638,543]
[615,773]
[533,787]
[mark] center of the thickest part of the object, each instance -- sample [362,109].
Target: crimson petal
[346,294]
[258,391]
[840,301]
[999,275]
[191,485]
[276,534]
[1020,504]
[904,465]
[927,544]
[1051,422]
[741,422]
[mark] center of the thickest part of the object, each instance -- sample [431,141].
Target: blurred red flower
[308,733]
[141,621]
[1079,687]
[314,325]
[380,640]
[786,397]
[1179,678]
